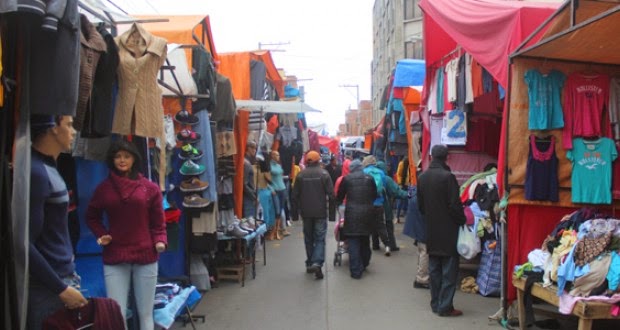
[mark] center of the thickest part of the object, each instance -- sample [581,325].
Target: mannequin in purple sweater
[136,233]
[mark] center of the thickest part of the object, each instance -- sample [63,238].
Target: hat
[382,166]
[439,151]
[355,166]
[369,160]
[312,157]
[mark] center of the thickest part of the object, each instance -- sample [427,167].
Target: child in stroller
[341,244]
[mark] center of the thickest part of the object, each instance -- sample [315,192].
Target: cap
[439,151]
[369,160]
[312,156]
[355,166]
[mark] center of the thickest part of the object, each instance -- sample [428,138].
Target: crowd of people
[313,191]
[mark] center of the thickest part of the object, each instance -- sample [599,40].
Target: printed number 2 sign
[454,130]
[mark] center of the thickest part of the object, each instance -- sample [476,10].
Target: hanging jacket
[139,109]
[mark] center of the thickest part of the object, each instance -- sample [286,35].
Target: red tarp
[331,144]
[489,30]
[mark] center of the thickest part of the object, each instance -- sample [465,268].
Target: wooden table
[586,311]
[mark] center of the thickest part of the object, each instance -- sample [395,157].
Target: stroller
[341,244]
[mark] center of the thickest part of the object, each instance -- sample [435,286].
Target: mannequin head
[52,135]
[123,158]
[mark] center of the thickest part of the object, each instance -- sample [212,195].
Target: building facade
[397,34]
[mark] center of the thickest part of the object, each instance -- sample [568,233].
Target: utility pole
[357,106]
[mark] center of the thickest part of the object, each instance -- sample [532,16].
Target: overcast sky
[329,42]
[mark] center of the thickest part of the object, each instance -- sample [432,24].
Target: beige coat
[139,109]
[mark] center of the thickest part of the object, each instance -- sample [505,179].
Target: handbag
[468,243]
[489,277]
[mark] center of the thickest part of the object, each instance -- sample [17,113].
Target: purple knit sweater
[135,216]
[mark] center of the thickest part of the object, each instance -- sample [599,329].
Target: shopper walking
[438,196]
[53,283]
[312,192]
[278,186]
[392,191]
[135,234]
[249,184]
[370,168]
[360,191]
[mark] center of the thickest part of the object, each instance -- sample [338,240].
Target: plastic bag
[468,243]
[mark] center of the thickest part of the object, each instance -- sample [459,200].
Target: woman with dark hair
[136,231]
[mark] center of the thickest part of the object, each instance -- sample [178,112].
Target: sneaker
[188,136]
[193,185]
[195,201]
[452,313]
[186,118]
[388,251]
[395,248]
[188,151]
[419,285]
[376,247]
[191,168]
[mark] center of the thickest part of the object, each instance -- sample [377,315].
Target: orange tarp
[411,101]
[236,66]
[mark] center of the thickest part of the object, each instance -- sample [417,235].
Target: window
[412,10]
[414,50]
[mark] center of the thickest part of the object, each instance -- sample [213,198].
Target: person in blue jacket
[393,191]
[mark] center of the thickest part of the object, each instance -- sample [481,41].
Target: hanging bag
[468,243]
[489,277]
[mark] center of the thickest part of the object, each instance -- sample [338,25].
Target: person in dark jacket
[312,191]
[360,191]
[439,202]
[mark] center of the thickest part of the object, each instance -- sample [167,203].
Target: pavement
[283,296]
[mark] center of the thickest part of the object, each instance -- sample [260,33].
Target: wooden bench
[586,311]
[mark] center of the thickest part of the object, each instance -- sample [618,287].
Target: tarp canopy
[182,29]
[489,30]
[332,144]
[236,66]
[590,39]
[275,106]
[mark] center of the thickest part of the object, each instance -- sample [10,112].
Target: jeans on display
[359,254]
[266,202]
[42,302]
[443,276]
[314,240]
[117,282]
[205,144]
[249,207]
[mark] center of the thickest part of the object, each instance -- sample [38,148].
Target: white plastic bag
[468,243]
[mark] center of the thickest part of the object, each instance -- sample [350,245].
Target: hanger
[86,326]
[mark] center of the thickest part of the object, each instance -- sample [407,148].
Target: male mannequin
[52,269]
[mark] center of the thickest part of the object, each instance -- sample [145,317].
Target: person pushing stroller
[360,191]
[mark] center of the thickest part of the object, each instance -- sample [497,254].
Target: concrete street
[283,296]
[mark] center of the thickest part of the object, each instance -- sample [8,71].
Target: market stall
[574,44]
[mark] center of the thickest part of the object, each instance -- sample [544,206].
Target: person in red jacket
[136,233]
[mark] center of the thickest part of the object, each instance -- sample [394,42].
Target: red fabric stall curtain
[241,138]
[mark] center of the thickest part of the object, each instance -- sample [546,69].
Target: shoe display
[246,227]
[193,185]
[186,118]
[387,251]
[191,168]
[235,231]
[418,285]
[188,151]
[195,201]
[452,313]
[188,136]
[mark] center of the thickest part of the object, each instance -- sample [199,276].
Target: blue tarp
[409,73]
